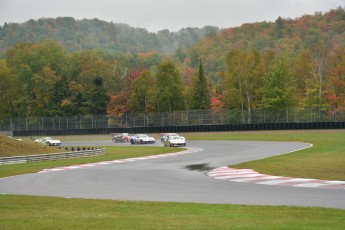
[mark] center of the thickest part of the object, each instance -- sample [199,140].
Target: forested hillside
[60,67]
[284,36]
[76,35]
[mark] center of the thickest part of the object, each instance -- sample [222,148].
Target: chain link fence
[177,118]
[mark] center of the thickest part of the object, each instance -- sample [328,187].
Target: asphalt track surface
[180,178]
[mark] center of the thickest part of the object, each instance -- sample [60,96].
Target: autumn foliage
[118,104]
[115,69]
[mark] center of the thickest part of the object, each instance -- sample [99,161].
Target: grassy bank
[60,213]
[14,147]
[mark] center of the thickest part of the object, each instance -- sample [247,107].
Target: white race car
[164,136]
[175,141]
[142,139]
[47,141]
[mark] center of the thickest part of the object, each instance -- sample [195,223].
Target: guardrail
[52,156]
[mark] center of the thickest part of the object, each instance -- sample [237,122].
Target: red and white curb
[189,150]
[250,176]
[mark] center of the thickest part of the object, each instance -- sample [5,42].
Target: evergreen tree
[279,26]
[200,96]
[95,100]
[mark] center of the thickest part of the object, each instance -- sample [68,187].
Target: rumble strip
[189,150]
[250,176]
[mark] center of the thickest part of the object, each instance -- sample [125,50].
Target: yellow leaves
[75,87]
[67,103]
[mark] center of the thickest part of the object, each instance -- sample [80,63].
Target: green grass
[28,212]
[325,160]
[112,153]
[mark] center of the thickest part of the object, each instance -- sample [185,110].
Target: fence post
[201,121]
[174,119]
[187,118]
[287,115]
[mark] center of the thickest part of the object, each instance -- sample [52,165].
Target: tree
[142,89]
[118,104]
[180,55]
[87,65]
[216,103]
[306,88]
[36,66]
[72,102]
[19,60]
[279,27]
[319,55]
[243,80]
[98,96]
[44,91]
[336,85]
[278,87]
[93,77]
[169,89]
[200,92]
[9,93]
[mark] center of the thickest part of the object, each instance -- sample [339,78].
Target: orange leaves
[135,74]
[216,103]
[332,99]
[117,105]
[336,86]
[147,54]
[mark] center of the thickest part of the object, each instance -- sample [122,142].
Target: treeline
[288,36]
[76,35]
[270,66]
[42,79]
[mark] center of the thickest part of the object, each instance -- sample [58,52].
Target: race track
[178,178]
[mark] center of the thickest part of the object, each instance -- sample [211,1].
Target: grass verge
[112,153]
[325,160]
[61,213]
